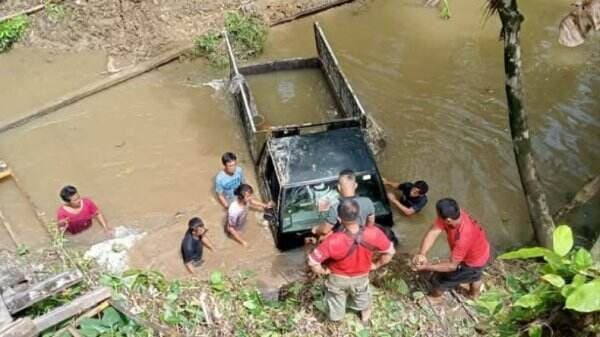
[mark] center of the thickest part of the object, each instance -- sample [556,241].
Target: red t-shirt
[336,246]
[77,222]
[467,241]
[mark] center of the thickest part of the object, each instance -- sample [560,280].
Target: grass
[247,33]
[55,12]
[11,31]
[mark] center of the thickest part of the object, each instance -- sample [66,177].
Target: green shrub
[247,33]
[55,12]
[565,287]
[11,31]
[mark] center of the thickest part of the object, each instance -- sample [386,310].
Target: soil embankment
[133,30]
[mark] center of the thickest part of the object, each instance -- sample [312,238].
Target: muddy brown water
[147,150]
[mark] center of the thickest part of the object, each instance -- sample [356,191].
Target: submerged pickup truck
[298,165]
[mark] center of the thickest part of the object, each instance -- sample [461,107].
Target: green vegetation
[559,297]
[55,12]
[247,33]
[111,324]
[236,307]
[11,31]
[445,12]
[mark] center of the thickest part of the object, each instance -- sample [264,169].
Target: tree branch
[587,192]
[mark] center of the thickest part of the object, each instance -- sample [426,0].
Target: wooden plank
[88,314]
[310,11]
[9,229]
[10,276]
[5,317]
[42,290]
[96,87]
[73,308]
[23,327]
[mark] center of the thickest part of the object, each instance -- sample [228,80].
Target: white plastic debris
[113,254]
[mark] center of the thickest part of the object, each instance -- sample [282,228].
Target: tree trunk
[542,222]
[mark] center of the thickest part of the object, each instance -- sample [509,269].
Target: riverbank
[130,31]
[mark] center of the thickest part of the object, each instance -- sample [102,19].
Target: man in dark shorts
[193,244]
[469,246]
[412,196]
[346,256]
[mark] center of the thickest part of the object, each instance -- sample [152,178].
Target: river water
[147,150]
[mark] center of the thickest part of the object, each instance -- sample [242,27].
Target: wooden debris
[310,11]
[23,327]
[9,229]
[39,291]
[4,170]
[73,308]
[462,303]
[5,317]
[205,309]
[72,331]
[10,276]
[585,194]
[88,314]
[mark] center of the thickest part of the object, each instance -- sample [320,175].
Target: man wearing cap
[346,256]
[469,247]
[193,244]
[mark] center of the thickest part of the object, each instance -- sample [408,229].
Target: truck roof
[320,156]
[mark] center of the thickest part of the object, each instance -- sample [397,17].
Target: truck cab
[298,165]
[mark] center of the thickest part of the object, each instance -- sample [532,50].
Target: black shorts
[462,274]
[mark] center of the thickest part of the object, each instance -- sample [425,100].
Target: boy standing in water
[227,180]
[237,212]
[192,245]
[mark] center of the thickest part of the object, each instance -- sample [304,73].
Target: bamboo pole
[96,87]
[24,12]
[9,229]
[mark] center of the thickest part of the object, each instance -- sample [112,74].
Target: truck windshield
[301,203]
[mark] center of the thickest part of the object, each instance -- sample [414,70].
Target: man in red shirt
[347,257]
[470,250]
[77,213]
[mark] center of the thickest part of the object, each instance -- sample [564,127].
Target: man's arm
[257,203]
[317,267]
[421,258]
[442,267]
[102,222]
[384,259]
[390,183]
[236,236]
[322,229]
[222,200]
[406,210]
[207,244]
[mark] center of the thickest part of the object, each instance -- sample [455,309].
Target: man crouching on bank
[469,251]
[348,258]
